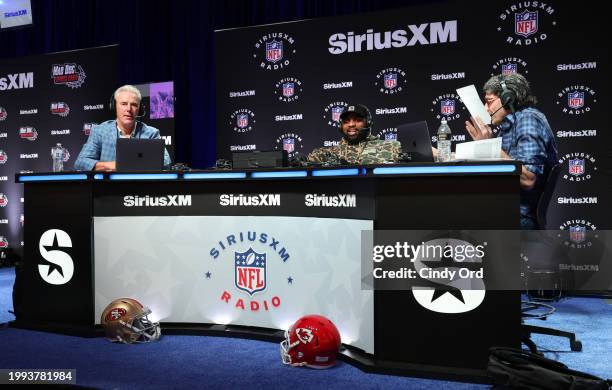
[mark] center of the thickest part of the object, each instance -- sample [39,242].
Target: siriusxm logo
[14,14]
[89,107]
[342,84]
[387,111]
[340,200]
[582,200]
[29,111]
[17,81]
[250,92]
[60,132]
[576,133]
[582,66]
[454,138]
[331,143]
[156,201]
[240,148]
[28,156]
[294,117]
[448,76]
[423,34]
[250,200]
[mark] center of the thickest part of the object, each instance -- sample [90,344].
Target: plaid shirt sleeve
[533,143]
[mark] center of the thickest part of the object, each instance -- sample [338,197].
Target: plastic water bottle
[57,154]
[444,142]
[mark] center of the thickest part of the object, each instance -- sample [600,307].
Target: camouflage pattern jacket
[369,151]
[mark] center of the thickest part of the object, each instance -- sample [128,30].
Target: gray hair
[515,82]
[128,88]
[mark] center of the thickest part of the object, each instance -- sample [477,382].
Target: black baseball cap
[358,109]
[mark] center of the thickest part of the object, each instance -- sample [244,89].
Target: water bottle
[444,142]
[57,154]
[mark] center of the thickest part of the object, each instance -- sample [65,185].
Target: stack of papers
[486,149]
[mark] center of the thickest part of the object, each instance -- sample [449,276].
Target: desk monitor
[416,141]
[140,154]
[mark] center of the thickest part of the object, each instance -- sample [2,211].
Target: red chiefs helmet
[312,341]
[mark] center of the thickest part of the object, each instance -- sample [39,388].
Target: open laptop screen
[416,141]
[140,154]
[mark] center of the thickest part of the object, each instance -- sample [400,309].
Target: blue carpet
[217,362]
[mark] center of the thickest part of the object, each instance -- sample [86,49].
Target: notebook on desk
[140,154]
[416,141]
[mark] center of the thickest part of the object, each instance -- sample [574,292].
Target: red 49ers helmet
[312,341]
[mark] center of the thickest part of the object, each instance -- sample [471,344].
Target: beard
[361,136]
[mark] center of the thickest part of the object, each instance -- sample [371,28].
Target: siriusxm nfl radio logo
[526,23]
[577,234]
[509,68]
[576,167]
[575,99]
[391,137]
[242,121]
[288,89]
[274,51]
[390,80]
[289,145]
[250,271]
[447,107]
[336,111]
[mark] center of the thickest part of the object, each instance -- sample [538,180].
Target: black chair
[548,285]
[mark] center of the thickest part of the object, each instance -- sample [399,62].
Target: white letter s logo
[62,267]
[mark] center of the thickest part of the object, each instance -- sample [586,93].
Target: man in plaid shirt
[99,153]
[526,136]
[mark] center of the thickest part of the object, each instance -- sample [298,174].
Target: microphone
[495,112]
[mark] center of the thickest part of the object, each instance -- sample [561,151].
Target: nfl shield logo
[526,23]
[289,145]
[250,270]
[576,167]
[391,137]
[577,233]
[274,51]
[336,111]
[575,99]
[242,120]
[390,80]
[288,89]
[509,69]
[447,107]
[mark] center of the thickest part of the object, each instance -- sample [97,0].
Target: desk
[174,241]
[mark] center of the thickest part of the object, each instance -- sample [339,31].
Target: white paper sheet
[472,101]
[484,149]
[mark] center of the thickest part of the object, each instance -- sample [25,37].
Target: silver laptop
[140,154]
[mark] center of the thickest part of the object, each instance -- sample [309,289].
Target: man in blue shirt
[99,153]
[526,136]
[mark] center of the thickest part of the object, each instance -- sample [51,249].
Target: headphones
[508,96]
[111,106]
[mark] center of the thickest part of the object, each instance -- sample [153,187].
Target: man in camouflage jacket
[357,146]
